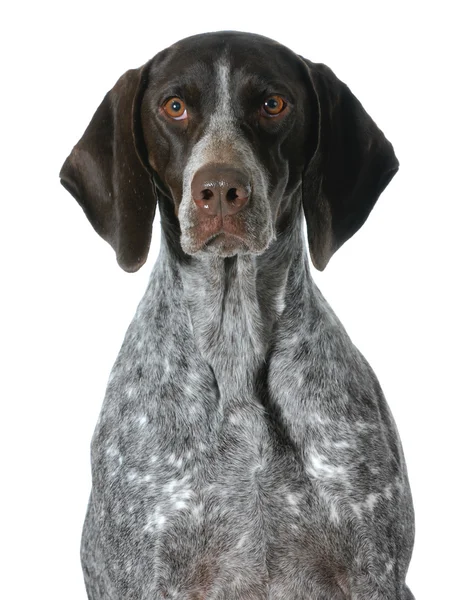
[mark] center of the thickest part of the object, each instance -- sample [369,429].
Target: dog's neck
[234,303]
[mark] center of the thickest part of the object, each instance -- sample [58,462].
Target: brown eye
[273,106]
[175,108]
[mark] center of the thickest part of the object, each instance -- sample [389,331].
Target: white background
[66,304]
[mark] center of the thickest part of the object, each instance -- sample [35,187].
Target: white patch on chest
[319,468]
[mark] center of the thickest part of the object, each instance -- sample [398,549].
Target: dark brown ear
[352,164]
[105,174]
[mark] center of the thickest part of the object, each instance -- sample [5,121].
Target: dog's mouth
[220,241]
[225,244]
[220,236]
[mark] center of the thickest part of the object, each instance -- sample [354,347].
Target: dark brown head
[231,128]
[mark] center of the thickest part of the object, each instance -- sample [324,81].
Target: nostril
[232,194]
[207,194]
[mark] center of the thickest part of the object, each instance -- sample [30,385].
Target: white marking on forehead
[223,110]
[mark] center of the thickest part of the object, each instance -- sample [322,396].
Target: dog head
[228,129]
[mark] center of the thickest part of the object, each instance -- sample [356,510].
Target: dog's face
[232,128]
[226,130]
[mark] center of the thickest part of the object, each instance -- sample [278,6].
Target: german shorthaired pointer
[244,450]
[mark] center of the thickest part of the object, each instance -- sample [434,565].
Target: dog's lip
[226,244]
[220,235]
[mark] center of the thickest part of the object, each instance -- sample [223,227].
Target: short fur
[245,450]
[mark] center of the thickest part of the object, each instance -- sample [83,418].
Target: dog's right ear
[105,174]
[352,164]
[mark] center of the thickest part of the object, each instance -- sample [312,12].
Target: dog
[244,450]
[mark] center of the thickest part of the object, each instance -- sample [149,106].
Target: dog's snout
[220,190]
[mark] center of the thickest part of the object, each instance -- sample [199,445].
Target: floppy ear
[106,176]
[352,164]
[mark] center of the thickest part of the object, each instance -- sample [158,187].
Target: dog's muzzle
[225,208]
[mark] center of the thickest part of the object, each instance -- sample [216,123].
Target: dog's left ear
[106,175]
[352,164]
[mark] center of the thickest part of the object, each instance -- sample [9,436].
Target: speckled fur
[244,450]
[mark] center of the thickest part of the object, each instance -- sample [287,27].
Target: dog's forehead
[198,57]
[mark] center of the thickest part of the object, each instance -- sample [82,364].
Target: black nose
[220,189]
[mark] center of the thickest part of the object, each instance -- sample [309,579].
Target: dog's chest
[192,481]
[209,500]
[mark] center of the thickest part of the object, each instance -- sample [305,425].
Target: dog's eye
[175,108]
[273,106]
